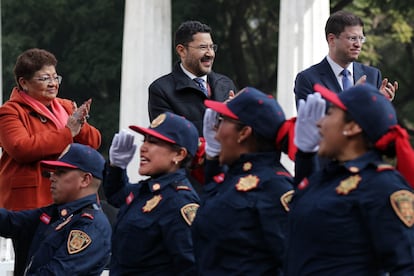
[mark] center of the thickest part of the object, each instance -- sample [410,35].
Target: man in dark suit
[192,80]
[345,36]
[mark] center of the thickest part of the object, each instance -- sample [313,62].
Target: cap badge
[286,198]
[151,204]
[247,183]
[78,241]
[247,166]
[158,120]
[189,212]
[347,185]
[403,204]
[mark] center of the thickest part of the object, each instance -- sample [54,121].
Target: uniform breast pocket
[136,236]
[336,217]
[233,213]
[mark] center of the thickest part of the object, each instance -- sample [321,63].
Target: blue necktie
[200,83]
[346,83]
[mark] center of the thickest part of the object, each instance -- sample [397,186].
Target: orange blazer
[27,136]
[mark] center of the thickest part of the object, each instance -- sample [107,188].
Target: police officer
[152,234]
[355,216]
[71,236]
[239,227]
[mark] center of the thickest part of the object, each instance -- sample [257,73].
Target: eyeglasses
[220,118]
[355,39]
[205,48]
[49,79]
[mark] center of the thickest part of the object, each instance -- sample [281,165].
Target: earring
[175,162]
[345,133]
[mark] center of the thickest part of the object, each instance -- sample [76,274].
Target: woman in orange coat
[36,125]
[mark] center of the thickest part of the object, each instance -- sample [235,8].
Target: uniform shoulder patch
[403,204]
[286,198]
[247,183]
[189,212]
[78,241]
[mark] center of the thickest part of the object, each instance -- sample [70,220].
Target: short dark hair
[187,29]
[337,22]
[31,61]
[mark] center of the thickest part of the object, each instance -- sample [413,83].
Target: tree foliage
[86,37]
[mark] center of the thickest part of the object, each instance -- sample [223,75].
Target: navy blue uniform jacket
[354,218]
[69,239]
[152,234]
[240,226]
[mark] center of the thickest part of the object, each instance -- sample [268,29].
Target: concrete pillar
[301,43]
[146,55]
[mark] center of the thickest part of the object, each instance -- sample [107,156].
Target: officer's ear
[352,128]
[87,179]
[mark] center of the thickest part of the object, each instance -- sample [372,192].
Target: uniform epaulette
[182,187]
[87,215]
[283,173]
[384,167]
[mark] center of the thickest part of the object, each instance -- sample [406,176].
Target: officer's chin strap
[404,151]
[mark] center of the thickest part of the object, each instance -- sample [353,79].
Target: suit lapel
[358,71]
[328,77]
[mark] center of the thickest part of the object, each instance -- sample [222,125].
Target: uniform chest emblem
[403,204]
[286,198]
[78,241]
[247,183]
[151,204]
[189,212]
[347,185]
[66,221]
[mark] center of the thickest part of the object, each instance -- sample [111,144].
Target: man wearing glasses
[192,80]
[339,69]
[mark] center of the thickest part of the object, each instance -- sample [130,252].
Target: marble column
[146,55]
[301,43]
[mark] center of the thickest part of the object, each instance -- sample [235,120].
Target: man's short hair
[337,22]
[187,29]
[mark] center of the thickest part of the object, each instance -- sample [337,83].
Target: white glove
[122,149]
[212,147]
[306,131]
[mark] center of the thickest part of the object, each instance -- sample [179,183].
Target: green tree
[85,36]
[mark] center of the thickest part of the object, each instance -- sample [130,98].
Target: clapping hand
[78,117]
